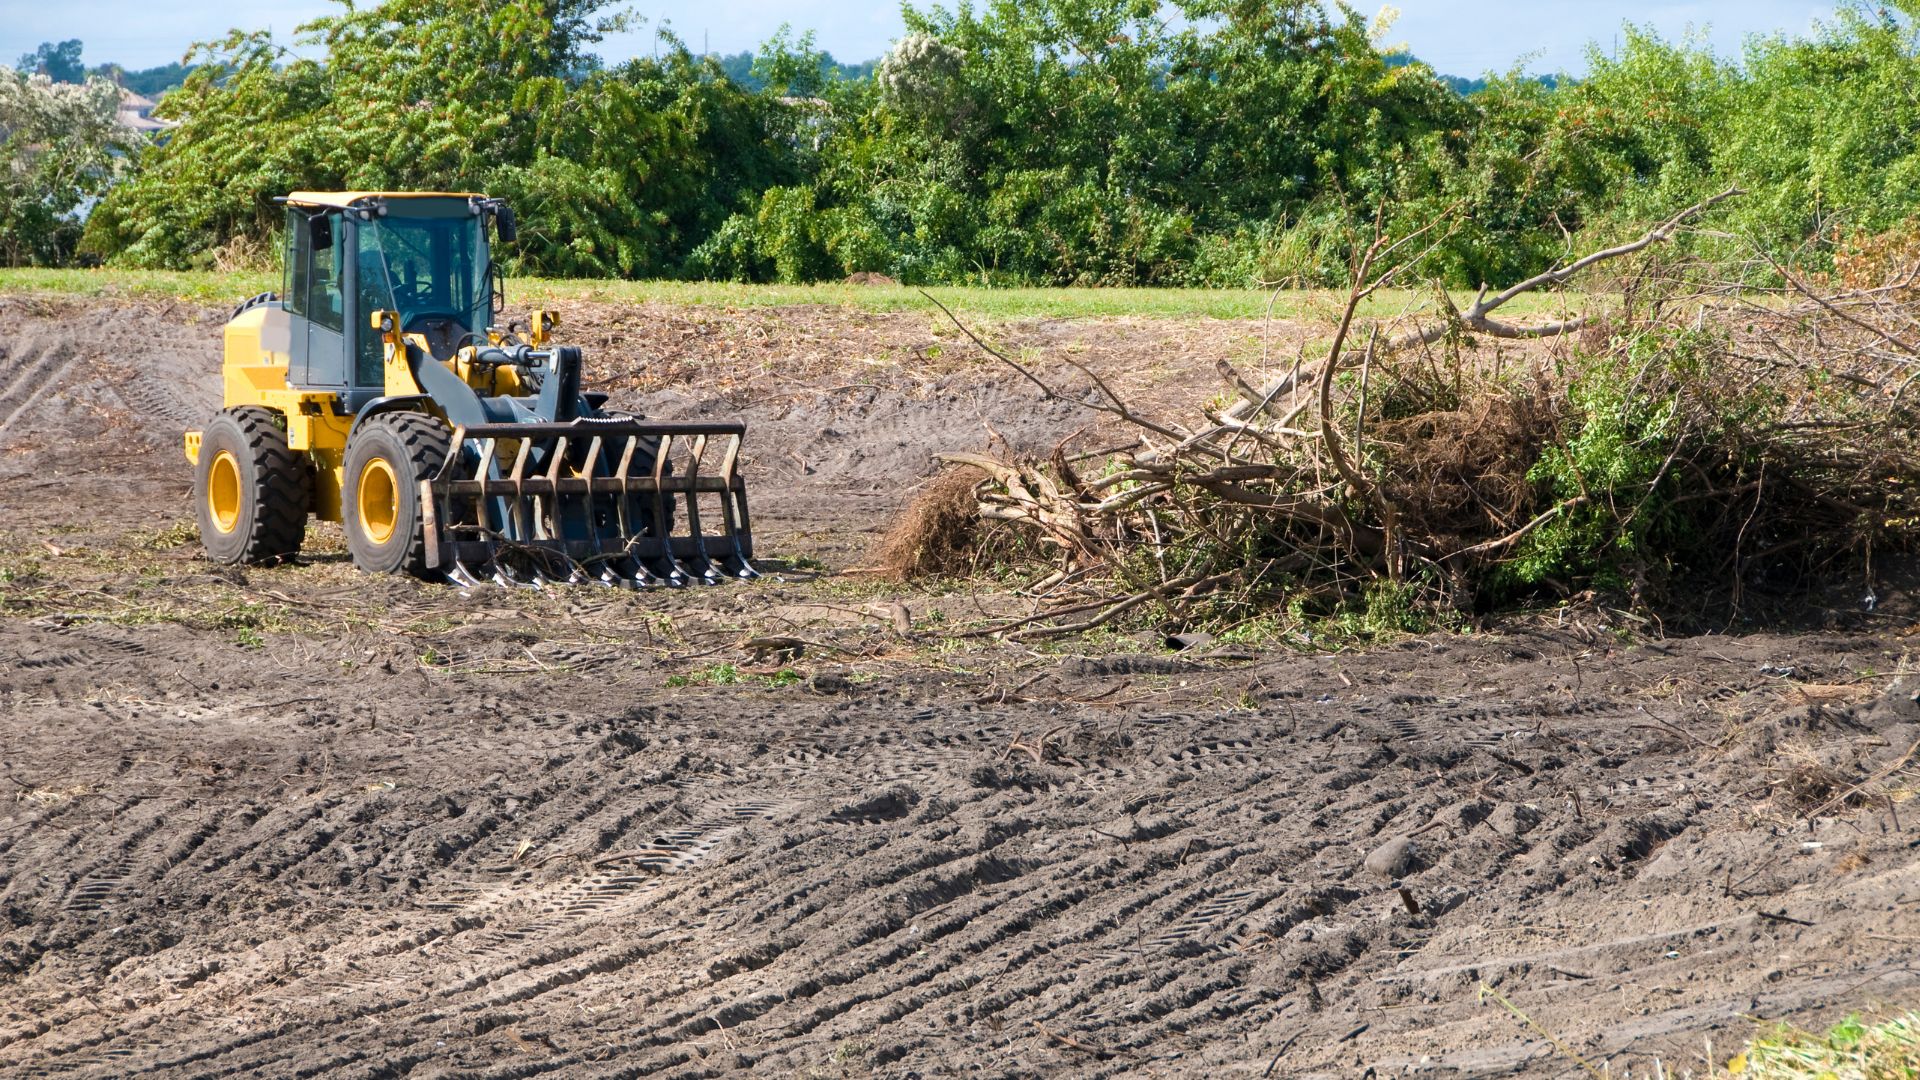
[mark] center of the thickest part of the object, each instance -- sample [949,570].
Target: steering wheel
[417,318]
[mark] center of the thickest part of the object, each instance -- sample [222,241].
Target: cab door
[316,293]
[327,308]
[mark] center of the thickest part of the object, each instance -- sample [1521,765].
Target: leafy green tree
[739,68]
[57,151]
[1820,130]
[1092,141]
[151,82]
[1180,142]
[1538,169]
[1825,130]
[618,172]
[61,62]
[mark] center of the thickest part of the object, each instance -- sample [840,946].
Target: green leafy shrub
[619,172]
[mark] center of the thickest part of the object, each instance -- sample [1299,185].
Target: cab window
[299,247]
[325,304]
[375,294]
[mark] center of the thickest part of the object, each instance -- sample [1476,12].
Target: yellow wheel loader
[376,391]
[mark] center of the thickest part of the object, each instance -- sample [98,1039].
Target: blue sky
[1458,37]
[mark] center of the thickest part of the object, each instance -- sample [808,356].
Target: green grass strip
[1850,1050]
[211,287]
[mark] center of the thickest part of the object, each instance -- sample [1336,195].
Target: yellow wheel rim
[379,500]
[223,491]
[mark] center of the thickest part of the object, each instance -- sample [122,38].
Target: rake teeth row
[589,502]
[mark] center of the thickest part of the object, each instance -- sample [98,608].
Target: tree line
[60,62]
[1094,142]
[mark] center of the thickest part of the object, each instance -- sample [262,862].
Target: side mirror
[320,231]
[503,220]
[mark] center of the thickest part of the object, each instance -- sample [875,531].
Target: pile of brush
[1705,444]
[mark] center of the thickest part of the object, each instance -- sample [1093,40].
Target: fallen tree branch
[1520,533]
[1429,466]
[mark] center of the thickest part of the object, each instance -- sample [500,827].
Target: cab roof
[344,199]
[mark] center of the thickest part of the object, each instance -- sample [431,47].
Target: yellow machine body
[254,374]
[378,393]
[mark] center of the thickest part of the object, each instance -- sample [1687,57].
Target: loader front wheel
[251,492]
[380,507]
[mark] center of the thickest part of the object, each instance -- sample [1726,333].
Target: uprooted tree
[1711,439]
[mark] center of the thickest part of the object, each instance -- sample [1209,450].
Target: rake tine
[623,503]
[733,513]
[643,576]
[701,563]
[504,577]
[679,573]
[525,526]
[463,577]
[707,573]
[662,526]
[588,499]
[676,575]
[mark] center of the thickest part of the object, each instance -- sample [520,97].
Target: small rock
[1394,859]
[1670,863]
[1513,819]
[1898,704]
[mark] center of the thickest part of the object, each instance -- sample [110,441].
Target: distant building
[136,113]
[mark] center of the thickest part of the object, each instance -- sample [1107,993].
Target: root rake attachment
[589,501]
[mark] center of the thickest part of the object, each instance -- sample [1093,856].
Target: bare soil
[298,821]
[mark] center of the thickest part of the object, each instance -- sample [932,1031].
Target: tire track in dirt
[153,397]
[33,380]
[1203,882]
[888,999]
[916,884]
[548,917]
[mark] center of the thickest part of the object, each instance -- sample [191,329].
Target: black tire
[251,492]
[384,531]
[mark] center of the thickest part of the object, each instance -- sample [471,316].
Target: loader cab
[425,257]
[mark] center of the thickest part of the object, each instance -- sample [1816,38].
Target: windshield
[426,258]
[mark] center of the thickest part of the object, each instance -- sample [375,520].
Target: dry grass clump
[938,531]
[1866,262]
[1459,470]
[1803,779]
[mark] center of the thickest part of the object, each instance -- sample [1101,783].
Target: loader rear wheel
[380,507]
[251,492]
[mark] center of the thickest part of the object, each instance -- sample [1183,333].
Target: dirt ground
[298,821]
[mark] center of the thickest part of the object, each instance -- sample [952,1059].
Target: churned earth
[298,821]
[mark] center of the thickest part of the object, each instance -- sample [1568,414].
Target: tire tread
[426,440]
[281,490]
